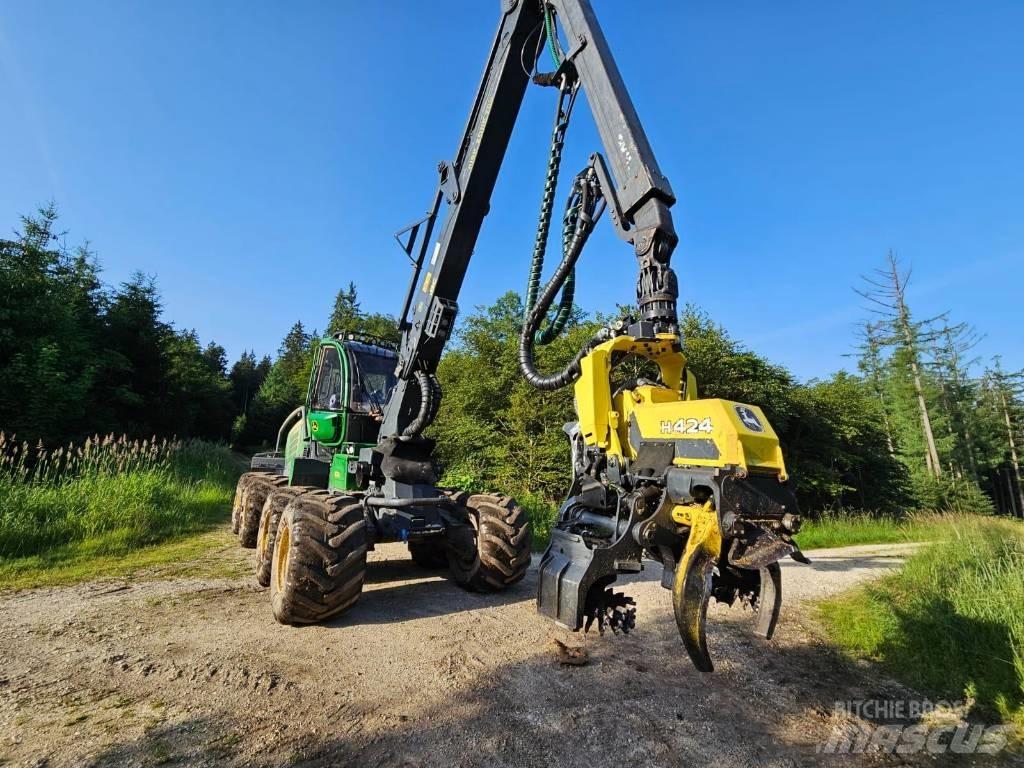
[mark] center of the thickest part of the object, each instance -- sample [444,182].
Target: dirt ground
[191,671]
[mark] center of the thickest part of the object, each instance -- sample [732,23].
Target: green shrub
[542,516]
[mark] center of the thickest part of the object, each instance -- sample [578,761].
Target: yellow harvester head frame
[709,433]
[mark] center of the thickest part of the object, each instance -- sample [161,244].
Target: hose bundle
[566,100]
[582,209]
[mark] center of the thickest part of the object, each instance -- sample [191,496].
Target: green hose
[549,28]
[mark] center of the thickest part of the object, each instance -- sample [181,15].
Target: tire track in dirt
[420,673]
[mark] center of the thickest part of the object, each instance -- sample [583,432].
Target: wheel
[273,508]
[256,492]
[319,558]
[428,554]
[236,505]
[491,552]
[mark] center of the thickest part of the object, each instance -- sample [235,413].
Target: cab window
[373,382]
[328,385]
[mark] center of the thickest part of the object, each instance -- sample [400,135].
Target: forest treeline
[921,424]
[78,357]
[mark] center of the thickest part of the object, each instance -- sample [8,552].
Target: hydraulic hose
[581,212]
[549,29]
[580,209]
[566,100]
[430,400]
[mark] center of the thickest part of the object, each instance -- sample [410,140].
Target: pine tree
[348,317]
[345,315]
[1006,389]
[246,377]
[50,333]
[958,393]
[216,358]
[870,365]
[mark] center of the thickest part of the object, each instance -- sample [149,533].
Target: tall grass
[117,494]
[844,528]
[951,621]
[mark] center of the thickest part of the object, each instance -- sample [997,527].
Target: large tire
[273,508]
[428,554]
[319,560]
[253,499]
[236,505]
[492,552]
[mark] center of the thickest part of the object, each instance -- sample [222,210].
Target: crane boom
[638,194]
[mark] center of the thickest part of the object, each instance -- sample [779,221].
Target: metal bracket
[441,318]
[413,231]
[579,42]
[449,182]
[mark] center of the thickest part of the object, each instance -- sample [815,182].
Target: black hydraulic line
[563,112]
[583,201]
[427,409]
[436,393]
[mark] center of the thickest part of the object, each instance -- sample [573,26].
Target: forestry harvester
[698,485]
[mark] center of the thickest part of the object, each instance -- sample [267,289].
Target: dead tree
[887,291]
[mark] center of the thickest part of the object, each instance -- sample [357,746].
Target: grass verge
[850,529]
[950,623]
[187,556]
[109,507]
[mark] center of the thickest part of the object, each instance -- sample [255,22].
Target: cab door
[328,396]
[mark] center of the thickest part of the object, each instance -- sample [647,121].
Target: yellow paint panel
[716,420]
[741,432]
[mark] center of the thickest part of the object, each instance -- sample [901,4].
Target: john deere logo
[315,426]
[749,419]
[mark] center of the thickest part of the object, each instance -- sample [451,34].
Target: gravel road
[194,671]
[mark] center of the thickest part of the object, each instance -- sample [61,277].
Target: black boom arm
[637,195]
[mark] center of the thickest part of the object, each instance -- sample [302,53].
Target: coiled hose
[581,213]
[566,100]
[430,401]
[583,209]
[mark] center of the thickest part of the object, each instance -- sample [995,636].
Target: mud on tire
[492,552]
[273,508]
[236,505]
[319,558]
[253,498]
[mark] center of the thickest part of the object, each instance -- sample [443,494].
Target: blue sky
[256,156]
